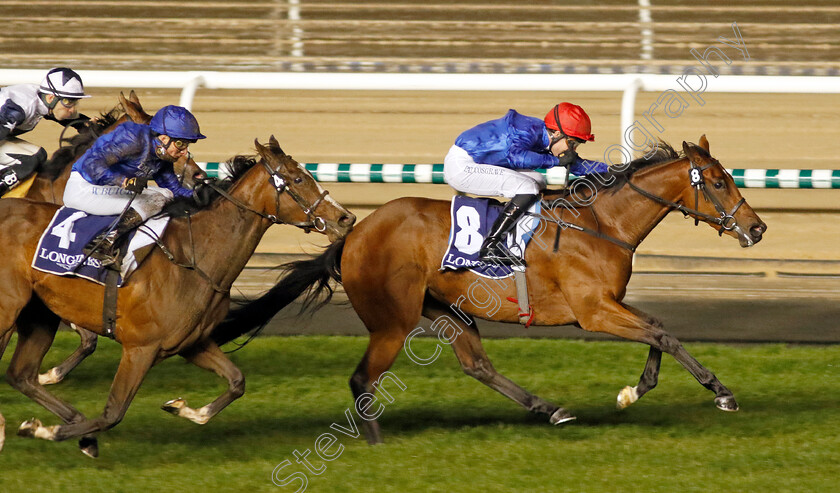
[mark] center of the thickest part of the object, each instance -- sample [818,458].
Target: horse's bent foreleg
[650,375]
[210,357]
[2,431]
[36,331]
[615,319]
[134,365]
[475,363]
[85,349]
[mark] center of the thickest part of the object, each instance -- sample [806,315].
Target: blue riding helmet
[176,122]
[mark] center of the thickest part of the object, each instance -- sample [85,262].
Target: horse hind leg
[86,347]
[372,372]
[466,343]
[210,357]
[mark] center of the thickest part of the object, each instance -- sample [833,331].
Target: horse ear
[133,109]
[261,149]
[687,150]
[275,146]
[704,142]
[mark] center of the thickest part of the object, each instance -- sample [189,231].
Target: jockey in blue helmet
[114,172]
[22,106]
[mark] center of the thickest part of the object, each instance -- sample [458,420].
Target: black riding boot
[105,243]
[491,250]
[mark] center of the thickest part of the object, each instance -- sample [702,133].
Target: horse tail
[311,276]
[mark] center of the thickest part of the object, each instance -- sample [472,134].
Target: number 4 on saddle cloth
[60,247]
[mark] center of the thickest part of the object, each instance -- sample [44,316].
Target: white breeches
[465,175]
[106,200]
[13,145]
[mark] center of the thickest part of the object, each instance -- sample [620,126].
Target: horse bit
[280,184]
[726,220]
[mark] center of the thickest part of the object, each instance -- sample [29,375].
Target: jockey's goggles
[573,142]
[68,102]
[181,144]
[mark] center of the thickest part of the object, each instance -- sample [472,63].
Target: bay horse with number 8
[390,269]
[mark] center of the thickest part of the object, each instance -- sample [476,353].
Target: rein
[281,185]
[726,220]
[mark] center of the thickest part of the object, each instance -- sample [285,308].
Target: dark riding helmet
[177,122]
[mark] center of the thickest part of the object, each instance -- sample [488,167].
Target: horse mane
[234,168]
[78,144]
[613,181]
[662,153]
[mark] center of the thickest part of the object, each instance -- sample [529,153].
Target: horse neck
[226,236]
[632,215]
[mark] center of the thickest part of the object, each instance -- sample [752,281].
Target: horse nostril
[757,230]
[347,220]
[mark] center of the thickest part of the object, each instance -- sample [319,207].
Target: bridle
[725,220]
[281,185]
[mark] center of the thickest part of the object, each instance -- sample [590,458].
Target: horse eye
[298,180]
[719,185]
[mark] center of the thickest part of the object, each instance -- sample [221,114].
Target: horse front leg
[209,357]
[650,375]
[611,317]
[475,363]
[134,364]
[86,347]
[36,332]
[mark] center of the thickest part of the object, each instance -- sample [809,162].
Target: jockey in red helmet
[22,106]
[115,170]
[500,157]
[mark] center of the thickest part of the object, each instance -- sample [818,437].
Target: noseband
[281,185]
[725,220]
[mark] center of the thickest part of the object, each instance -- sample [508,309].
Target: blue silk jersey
[127,152]
[517,142]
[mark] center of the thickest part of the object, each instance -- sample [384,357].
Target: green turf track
[447,432]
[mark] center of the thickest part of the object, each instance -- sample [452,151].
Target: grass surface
[446,431]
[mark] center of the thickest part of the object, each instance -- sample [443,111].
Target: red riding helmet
[571,120]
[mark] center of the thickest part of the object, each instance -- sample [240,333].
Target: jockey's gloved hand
[202,194]
[567,158]
[135,184]
[79,122]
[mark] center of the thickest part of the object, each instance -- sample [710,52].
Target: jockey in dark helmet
[501,157]
[115,170]
[22,106]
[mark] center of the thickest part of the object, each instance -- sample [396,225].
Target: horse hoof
[174,406]
[89,446]
[561,416]
[726,403]
[28,427]
[627,396]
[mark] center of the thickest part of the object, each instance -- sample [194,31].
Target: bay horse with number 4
[390,268]
[170,305]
